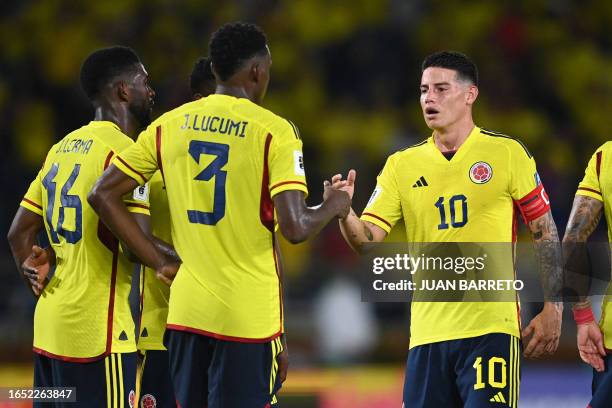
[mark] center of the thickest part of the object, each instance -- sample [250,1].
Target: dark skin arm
[144,222]
[22,240]
[298,222]
[585,215]
[545,328]
[106,199]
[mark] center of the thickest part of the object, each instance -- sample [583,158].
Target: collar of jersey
[460,151]
[104,123]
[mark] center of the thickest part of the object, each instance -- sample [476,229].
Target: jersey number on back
[457,221]
[66,201]
[196,149]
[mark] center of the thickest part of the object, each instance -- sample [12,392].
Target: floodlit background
[347,74]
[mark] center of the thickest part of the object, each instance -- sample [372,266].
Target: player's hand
[590,345]
[36,268]
[339,200]
[283,363]
[544,330]
[347,185]
[167,272]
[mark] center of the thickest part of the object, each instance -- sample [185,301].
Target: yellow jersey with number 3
[469,198]
[597,184]
[222,159]
[83,313]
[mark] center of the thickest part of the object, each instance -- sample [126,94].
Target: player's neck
[118,115]
[232,90]
[451,138]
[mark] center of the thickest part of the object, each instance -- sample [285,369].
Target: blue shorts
[224,374]
[155,384]
[475,372]
[602,386]
[106,383]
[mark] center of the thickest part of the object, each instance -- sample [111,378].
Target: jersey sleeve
[589,186]
[32,200]
[384,207]
[285,160]
[526,188]
[138,201]
[140,160]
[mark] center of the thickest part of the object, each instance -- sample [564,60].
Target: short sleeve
[589,186]
[384,208]
[140,160]
[526,188]
[285,160]
[33,200]
[138,201]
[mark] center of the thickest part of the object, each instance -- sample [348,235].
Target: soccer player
[83,327]
[155,382]
[591,201]
[232,169]
[462,185]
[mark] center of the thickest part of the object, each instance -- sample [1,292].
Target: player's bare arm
[298,222]
[29,257]
[356,232]
[144,221]
[106,198]
[544,329]
[584,217]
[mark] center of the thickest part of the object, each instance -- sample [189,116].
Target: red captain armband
[584,315]
[534,204]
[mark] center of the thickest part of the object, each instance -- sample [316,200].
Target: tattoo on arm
[368,233]
[585,215]
[548,253]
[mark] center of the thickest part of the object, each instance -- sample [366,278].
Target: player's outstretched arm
[584,217]
[106,198]
[27,255]
[297,222]
[545,328]
[355,231]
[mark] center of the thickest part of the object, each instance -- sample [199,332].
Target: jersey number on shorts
[493,362]
[66,201]
[196,149]
[457,201]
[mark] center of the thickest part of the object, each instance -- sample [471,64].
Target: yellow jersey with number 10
[469,198]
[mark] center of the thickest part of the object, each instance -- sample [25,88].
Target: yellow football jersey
[597,184]
[222,160]
[154,293]
[469,198]
[86,300]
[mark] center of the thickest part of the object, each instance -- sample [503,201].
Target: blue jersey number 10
[66,201]
[196,149]
[453,203]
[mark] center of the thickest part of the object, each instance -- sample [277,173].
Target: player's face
[444,99]
[263,74]
[141,96]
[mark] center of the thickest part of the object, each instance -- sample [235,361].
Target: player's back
[222,159]
[83,313]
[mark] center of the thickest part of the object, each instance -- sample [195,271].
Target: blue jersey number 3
[196,149]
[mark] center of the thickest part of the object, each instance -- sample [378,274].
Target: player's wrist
[583,313]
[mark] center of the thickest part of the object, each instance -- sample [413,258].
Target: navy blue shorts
[475,372]
[224,374]
[107,382]
[155,384]
[602,386]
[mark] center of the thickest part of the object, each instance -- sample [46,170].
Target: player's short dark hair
[233,44]
[465,68]
[201,75]
[104,65]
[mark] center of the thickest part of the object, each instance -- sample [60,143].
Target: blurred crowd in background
[347,74]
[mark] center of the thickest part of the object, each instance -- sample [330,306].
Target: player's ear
[122,90]
[471,95]
[255,72]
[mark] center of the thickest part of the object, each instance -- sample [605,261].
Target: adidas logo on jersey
[499,397]
[420,182]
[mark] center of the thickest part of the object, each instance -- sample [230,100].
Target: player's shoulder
[511,143]
[605,148]
[268,121]
[411,151]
